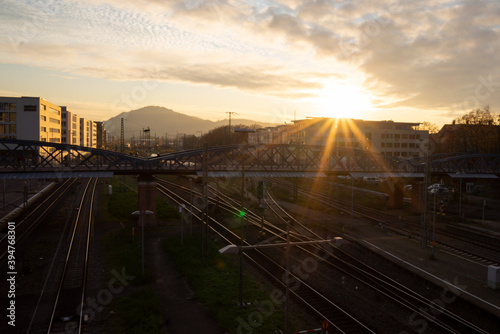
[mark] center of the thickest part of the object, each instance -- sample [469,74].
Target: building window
[53,120]
[63,123]
[382,145]
[397,154]
[389,144]
[412,136]
[412,145]
[397,136]
[404,136]
[63,116]
[397,145]
[30,108]
[404,145]
[55,111]
[63,140]
[382,136]
[43,129]
[404,154]
[43,118]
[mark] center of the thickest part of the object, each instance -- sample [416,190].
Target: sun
[342,101]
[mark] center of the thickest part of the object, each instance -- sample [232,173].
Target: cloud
[418,54]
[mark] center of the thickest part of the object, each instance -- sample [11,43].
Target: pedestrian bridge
[32,159]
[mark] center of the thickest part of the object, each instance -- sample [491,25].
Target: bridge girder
[35,156]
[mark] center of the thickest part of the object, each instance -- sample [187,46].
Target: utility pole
[230,113]
[122,137]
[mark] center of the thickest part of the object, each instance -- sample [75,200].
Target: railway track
[476,245]
[317,298]
[368,277]
[37,213]
[322,307]
[59,307]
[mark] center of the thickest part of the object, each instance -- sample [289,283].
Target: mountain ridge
[162,121]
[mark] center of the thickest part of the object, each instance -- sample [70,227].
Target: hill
[163,121]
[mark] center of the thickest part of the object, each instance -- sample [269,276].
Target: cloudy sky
[265,60]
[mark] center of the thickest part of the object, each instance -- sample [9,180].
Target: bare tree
[431,127]
[478,131]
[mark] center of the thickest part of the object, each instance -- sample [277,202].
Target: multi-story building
[70,127]
[34,118]
[30,118]
[101,135]
[398,139]
[93,134]
[85,132]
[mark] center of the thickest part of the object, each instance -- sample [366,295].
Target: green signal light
[242,213]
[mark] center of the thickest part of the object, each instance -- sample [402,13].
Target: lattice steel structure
[31,156]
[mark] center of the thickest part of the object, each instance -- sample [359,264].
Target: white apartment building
[398,139]
[34,118]
[70,127]
[93,134]
[30,118]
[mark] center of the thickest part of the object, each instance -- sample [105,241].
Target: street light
[142,214]
[234,249]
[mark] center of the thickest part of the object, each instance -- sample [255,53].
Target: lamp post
[142,214]
[242,212]
[434,223]
[233,249]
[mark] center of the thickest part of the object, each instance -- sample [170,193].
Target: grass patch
[216,285]
[165,211]
[122,204]
[122,250]
[139,313]
[137,309]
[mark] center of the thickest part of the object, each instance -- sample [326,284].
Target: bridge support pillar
[146,187]
[395,192]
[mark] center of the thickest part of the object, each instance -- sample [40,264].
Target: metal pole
[205,194]
[182,227]
[142,215]
[352,201]
[191,210]
[460,200]
[434,224]
[241,270]
[287,293]
[484,205]
[242,215]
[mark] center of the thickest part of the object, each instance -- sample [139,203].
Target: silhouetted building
[400,139]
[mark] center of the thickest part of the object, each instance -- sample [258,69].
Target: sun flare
[342,101]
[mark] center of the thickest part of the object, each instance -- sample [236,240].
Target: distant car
[435,186]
